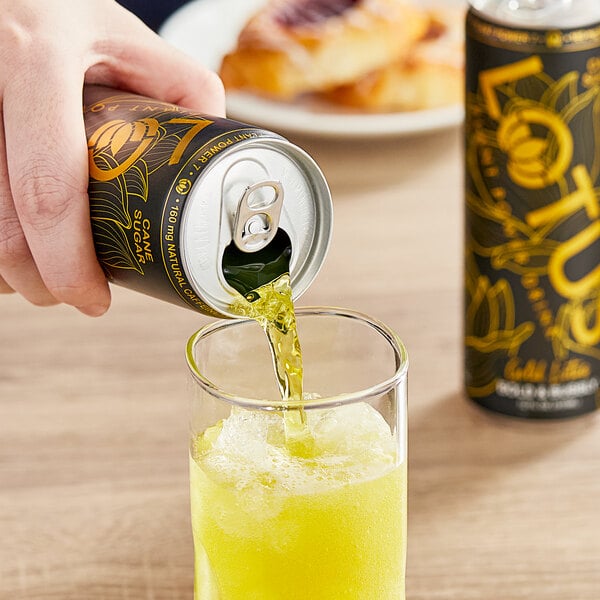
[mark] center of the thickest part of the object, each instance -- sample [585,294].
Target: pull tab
[257,217]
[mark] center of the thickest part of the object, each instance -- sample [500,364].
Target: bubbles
[248,450]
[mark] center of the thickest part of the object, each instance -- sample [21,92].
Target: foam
[248,450]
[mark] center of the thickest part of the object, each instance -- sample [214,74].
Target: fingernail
[93,310]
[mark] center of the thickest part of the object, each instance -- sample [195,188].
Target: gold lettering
[565,252]
[584,197]
[198,126]
[533,371]
[141,238]
[527,154]
[583,334]
[489,80]
[571,370]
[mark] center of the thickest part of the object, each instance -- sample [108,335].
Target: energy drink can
[170,190]
[532,235]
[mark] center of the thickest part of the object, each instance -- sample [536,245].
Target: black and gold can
[532,223]
[174,193]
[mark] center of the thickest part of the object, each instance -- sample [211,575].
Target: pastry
[432,74]
[293,47]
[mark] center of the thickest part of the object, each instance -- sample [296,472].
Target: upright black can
[174,194]
[532,234]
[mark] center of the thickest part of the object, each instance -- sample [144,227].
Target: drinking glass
[274,519]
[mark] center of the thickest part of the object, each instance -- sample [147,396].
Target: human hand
[48,50]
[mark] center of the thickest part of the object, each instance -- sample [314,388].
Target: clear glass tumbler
[327,522]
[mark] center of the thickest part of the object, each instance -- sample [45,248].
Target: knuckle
[15,36]
[44,195]
[23,36]
[13,246]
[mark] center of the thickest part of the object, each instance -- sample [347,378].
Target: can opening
[247,271]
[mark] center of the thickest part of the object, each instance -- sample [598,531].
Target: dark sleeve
[152,12]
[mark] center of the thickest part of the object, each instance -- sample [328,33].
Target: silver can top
[540,14]
[242,197]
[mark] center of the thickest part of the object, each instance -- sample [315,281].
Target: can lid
[540,14]
[298,201]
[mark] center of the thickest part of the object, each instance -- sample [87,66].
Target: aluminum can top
[210,212]
[539,14]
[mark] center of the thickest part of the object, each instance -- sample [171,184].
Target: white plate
[207,29]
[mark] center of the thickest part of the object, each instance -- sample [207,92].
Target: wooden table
[93,418]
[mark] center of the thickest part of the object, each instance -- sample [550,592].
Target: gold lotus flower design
[491,332]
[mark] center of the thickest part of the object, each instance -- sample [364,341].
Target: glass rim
[339,399]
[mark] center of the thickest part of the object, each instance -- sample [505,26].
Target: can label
[532,276]
[145,156]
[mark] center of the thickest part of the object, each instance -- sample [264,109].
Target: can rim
[302,274]
[377,389]
[564,15]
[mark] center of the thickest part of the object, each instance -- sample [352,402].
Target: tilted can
[171,189]
[532,228]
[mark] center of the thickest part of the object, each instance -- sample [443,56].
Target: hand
[47,51]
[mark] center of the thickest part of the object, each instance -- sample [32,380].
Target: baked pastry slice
[432,75]
[296,46]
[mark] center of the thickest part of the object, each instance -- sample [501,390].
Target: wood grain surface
[93,418]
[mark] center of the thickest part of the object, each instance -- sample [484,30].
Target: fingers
[48,177]
[46,248]
[138,60]
[18,271]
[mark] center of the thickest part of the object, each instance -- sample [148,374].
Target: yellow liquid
[296,505]
[271,525]
[272,307]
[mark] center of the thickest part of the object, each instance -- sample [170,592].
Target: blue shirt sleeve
[153,12]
